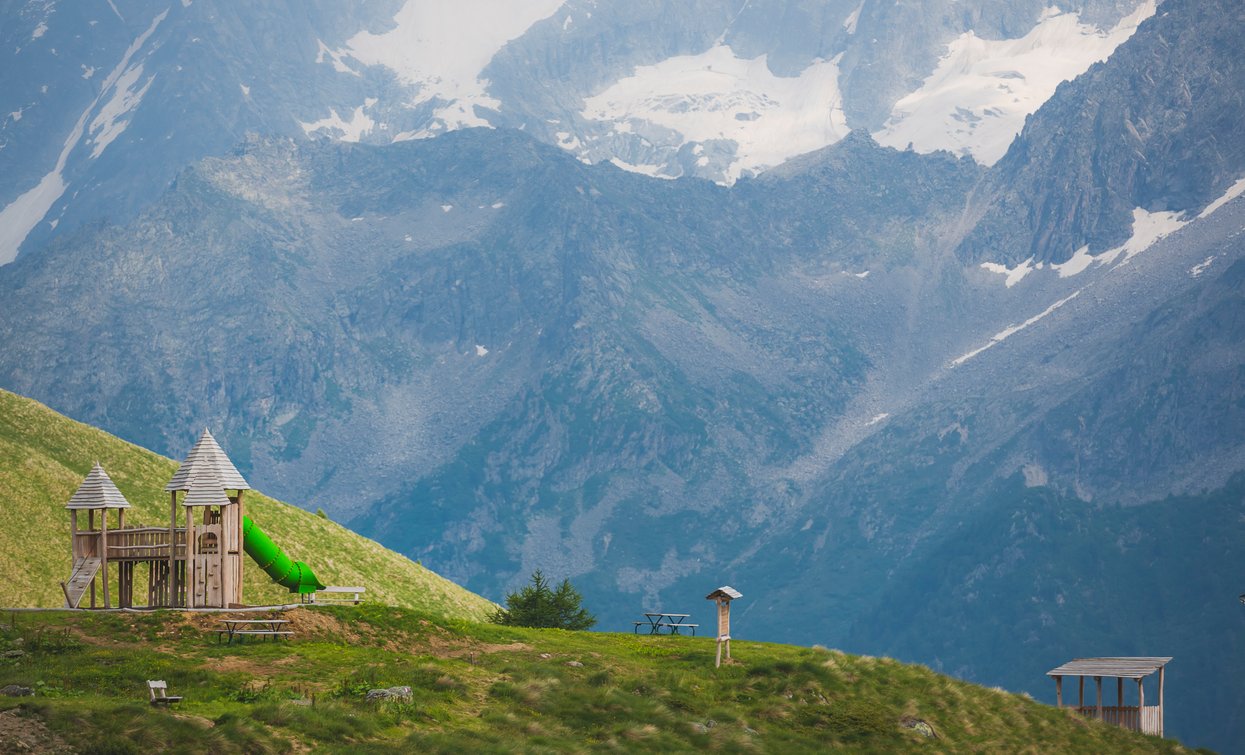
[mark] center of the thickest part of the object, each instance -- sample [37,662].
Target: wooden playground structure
[196,565]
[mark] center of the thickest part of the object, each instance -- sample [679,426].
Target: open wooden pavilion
[1147,719]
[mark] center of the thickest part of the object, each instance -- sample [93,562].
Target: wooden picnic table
[253,627]
[656,621]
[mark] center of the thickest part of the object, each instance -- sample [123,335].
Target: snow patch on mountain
[1200,267]
[334,57]
[1148,227]
[1079,262]
[1012,330]
[442,48]
[1012,275]
[853,18]
[1234,191]
[110,121]
[336,127]
[718,95]
[976,100]
[24,213]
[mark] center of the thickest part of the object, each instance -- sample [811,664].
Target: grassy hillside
[44,456]
[486,688]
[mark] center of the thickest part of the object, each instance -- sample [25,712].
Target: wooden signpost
[723,597]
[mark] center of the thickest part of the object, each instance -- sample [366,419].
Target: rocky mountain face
[102,105]
[985,417]
[1174,154]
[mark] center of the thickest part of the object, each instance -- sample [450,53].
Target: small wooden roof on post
[725,592]
[97,491]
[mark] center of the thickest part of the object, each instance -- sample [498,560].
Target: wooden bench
[158,690]
[357,592]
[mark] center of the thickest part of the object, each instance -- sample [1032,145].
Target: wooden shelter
[723,597]
[195,566]
[1147,719]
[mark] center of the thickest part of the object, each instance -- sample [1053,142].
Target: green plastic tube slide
[295,575]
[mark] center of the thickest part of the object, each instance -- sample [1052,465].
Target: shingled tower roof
[97,491]
[207,454]
[206,490]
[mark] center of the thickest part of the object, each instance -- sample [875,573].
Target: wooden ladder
[84,571]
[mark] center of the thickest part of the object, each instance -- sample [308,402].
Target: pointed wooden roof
[207,454]
[206,489]
[97,491]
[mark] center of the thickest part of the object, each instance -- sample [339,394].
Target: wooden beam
[103,548]
[1059,692]
[172,549]
[191,572]
[1080,692]
[1119,692]
[1141,705]
[1160,702]
[1098,684]
[239,560]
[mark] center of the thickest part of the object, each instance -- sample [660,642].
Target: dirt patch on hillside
[27,734]
[311,623]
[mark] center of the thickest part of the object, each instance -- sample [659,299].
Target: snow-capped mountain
[977,406]
[103,103]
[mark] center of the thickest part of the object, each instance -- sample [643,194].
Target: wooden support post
[1160,701]
[103,548]
[172,550]
[1059,692]
[191,574]
[1098,683]
[1141,705]
[240,561]
[1119,693]
[1080,692]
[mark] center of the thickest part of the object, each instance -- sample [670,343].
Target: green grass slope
[44,456]
[486,688]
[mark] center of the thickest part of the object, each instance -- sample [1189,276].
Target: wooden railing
[145,543]
[1127,717]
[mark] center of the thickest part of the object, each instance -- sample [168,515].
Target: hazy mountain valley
[927,391]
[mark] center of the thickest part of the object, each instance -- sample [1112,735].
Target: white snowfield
[442,48]
[719,95]
[976,100]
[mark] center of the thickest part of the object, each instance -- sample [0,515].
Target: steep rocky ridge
[1158,128]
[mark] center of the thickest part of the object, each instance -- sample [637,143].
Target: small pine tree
[536,605]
